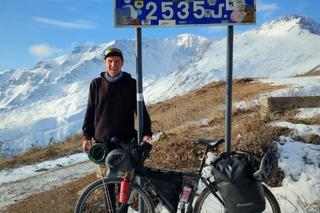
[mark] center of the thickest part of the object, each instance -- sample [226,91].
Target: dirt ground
[61,199]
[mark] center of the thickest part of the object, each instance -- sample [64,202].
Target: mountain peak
[291,23]
[187,39]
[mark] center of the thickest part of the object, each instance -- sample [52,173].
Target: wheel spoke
[207,202]
[103,196]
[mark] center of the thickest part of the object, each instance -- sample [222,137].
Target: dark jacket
[111,108]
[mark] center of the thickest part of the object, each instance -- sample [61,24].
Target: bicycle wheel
[102,196]
[207,202]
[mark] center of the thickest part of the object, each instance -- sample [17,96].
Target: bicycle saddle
[211,142]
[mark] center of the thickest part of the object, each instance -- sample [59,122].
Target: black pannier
[241,192]
[168,184]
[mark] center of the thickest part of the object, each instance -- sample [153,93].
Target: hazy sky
[32,30]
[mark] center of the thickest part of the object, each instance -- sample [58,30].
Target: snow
[256,54]
[11,175]
[300,129]
[298,86]
[308,113]
[300,163]
[47,103]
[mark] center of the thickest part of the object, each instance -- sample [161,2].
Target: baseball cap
[112,52]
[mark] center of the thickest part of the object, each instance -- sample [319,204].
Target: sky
[34,30]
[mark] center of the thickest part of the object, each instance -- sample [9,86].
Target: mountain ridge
[303,22]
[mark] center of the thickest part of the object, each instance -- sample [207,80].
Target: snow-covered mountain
[47,102]
[284,47]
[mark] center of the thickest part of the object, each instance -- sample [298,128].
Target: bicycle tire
[93,199]
[207,202]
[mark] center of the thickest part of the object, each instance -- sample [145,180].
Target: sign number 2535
[182,13]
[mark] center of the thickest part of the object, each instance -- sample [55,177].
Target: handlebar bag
[138,152]
[240,191]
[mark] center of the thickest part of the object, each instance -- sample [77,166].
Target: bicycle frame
[196,178]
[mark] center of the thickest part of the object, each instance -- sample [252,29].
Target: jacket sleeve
[88,122]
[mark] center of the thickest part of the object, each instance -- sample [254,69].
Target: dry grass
[179,150]
[306,121]
[290,117]
[256,136]
[206,102]
[316,205]
[313,139]
[37,154]
[311,73]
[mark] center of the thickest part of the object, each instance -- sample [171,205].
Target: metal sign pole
[139,98]
[228,112]
[139,84]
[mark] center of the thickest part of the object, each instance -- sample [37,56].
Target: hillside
[204,103]
[284,47]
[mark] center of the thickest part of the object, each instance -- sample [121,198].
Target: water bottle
[185,194]
[186,191]
[124,190]
[182,207]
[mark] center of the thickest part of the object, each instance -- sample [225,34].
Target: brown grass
[70,146]
[316,205]
[256,136]
[290,117]
[307,121]
[311,73]
[206,102]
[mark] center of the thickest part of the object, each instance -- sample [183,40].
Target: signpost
[173,13]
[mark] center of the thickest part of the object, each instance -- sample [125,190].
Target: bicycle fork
[110,196]
[109,202]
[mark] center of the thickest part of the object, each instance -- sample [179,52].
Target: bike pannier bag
[241,192]
[168,185]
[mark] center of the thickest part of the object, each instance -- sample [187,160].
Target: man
[112,105]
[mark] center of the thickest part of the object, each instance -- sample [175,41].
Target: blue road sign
[161,13]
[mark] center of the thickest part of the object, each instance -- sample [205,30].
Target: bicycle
[96,197]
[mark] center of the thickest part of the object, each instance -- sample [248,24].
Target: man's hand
[86,144]
[147,138]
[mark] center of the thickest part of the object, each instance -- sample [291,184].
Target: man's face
[113,65]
